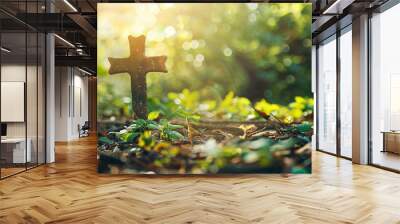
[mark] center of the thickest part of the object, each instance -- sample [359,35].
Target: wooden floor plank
[70,191]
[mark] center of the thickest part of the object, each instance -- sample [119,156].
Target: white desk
[18,149]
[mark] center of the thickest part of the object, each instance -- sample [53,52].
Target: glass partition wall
[334,94]
[334,105]
[345,92]
[326,56]
[385,89]
[13,111]
[22,98]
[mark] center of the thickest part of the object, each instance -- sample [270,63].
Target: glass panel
[32,89]
[314,90]
[327,96]
[41,99]
[32,96]
[13,86]
[23,90]
[346,94]
[385,84]
[2,161]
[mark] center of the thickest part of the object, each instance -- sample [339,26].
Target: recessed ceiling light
[64,40]
[84,71]
[337,7]
[70,5]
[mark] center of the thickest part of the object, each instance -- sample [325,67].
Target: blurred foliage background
[256,51]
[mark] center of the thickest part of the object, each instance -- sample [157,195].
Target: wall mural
[206,88]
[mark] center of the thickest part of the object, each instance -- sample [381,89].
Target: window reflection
[346,93]
[385,85]
[327,96]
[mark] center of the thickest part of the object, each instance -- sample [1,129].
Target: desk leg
[384,142]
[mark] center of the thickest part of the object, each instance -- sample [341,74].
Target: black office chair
[84,130]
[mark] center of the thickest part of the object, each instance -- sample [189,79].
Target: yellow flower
[296,113]
[146,140]
[161,145]
[266,107]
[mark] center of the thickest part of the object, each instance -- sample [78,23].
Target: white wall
[71,102]
[16,73]
[12,73]
[33,127]
[62,81]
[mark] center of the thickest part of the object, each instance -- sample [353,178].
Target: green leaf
[129,136]
[304,127]
[174,126]
[105,140]
[174,135]
[163,122]
[153,126]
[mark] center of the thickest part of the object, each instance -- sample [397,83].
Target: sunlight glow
[170,31]
[227,51]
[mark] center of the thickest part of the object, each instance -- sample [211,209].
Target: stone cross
[138,65]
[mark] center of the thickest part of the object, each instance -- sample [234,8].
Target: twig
[190,136]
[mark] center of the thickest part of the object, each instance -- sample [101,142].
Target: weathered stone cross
[138,65]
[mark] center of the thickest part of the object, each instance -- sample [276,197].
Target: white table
[18,144]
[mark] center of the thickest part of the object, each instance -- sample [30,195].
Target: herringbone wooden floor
[70,191]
